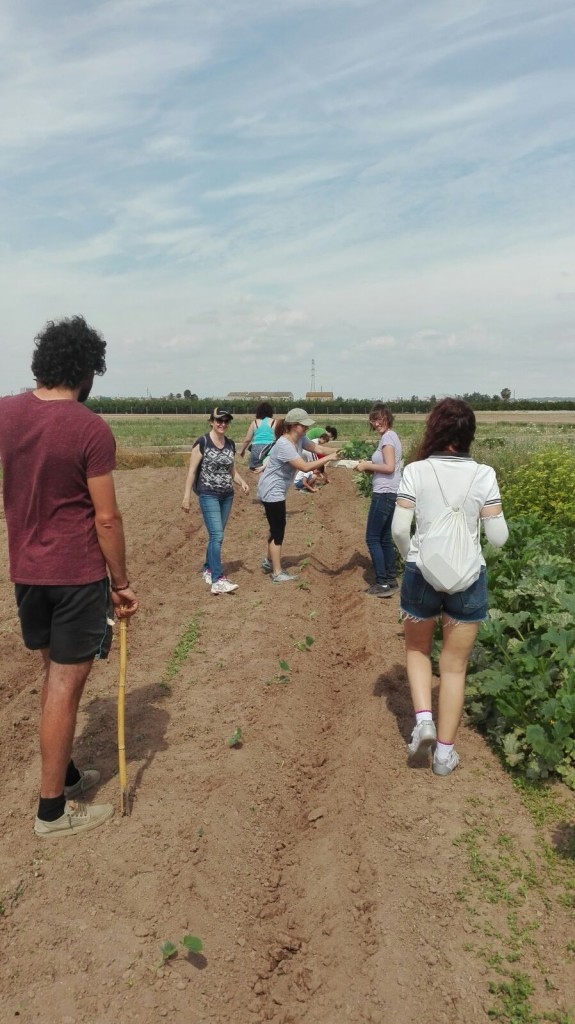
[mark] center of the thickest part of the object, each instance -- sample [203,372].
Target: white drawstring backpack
[448,557]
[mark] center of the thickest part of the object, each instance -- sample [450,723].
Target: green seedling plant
[303,585]
[282,677]
[235,739]
[185,645]
[169,950]
[305,645]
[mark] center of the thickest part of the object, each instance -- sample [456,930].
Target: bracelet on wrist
[118,590]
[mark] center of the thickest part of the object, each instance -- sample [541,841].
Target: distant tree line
[190,403]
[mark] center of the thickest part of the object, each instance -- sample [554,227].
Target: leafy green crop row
[521,685]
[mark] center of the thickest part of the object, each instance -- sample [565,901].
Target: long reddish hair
[451,423]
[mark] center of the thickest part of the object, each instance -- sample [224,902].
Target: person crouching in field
[64,533]
[308,481]
[212,475]
[443,475]
[284,461]
[322,435]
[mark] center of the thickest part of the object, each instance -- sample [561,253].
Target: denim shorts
[419,600]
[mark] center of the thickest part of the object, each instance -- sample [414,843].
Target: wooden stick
[124,795]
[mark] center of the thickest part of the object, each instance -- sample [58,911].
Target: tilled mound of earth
[328,879]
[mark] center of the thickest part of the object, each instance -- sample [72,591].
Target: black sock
[51,807]
[72,774]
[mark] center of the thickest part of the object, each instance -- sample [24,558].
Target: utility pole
[312,375]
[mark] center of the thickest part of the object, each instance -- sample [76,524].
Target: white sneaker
[283,577]
[207,576]
[266,565]
[445,767]
[77,817]
[223,586]
[423,735]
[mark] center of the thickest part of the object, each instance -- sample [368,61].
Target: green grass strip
[185,645]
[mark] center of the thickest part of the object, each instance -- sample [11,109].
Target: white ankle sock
[443,750]
[423,716]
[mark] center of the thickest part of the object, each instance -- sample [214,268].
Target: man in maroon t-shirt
[65,535]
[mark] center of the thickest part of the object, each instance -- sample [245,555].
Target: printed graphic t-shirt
[49,451]
[216,475]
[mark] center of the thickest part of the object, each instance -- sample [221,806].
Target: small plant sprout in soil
[236,738]
[191,943]
[282,677]
[305,645]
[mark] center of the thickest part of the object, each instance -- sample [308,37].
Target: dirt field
[329,880]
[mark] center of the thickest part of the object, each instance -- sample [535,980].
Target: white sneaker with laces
[223,586]
[77,817]
[445,767]
[207,576]
[423,735]
[266,565]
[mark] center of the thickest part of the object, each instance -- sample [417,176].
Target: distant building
[260,396]
[319,396]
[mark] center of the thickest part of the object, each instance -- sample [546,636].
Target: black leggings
[276,517]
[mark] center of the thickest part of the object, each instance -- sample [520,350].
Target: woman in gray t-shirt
[274,483]
[385,467]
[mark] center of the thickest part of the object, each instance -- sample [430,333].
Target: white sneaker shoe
[77,817]
[266,565]
[423,735]
[223,586]
[207,576]
[445,767]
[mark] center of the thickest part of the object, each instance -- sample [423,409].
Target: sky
[229,190]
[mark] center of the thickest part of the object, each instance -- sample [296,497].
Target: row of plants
[521,684]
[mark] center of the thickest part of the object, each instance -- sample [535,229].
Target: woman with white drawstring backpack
[444,576]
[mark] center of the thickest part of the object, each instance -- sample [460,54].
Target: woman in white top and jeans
[448,436]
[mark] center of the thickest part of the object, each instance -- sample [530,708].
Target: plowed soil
[329,879]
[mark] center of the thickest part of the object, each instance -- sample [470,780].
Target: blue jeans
[216,512]
[378,537]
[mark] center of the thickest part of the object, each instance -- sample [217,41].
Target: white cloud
[230,189]
[384,341]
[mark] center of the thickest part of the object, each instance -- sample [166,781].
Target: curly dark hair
[332,431]
[450,423]
[264,411]
[68,352]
